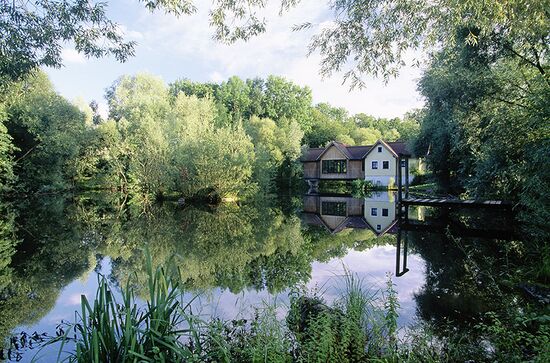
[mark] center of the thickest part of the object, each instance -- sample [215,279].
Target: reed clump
[108,330]
[359,326]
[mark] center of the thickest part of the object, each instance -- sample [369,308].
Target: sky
[175,48]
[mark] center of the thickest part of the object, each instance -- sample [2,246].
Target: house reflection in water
[335,213]
[377,212]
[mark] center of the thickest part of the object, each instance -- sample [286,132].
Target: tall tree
[32,33]
[46,131]
[375,37]
[485,126]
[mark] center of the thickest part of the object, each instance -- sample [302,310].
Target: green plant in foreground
[107,331]
[359,326]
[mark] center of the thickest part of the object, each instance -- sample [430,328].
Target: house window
[379,149]
[378,227]
[374,165]
[385,164]
[384,212]
[333,208]
[373,212]
[403,162]
[334,167]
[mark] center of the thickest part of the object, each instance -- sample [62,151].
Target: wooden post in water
[398,253]
[399,181]
[406,177]
[401,269]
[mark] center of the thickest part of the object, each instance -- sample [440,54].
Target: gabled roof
[397,148]
[400,148]
[349,222]
[341,147]
[350,152]
[359,152]
[312,153]
[389,229]
[355,152]
[354,222]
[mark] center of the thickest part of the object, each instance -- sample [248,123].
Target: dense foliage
[486,131]
[188,139]
[46,132]
[283,101]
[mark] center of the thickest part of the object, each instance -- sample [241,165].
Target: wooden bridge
[404,200]
[457,203]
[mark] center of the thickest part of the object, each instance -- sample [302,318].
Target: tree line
[187,138]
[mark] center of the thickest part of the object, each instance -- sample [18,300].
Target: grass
[109,331]
[359,326]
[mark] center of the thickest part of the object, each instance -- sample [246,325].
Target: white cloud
[216,77]
[379,99]
[130,34]
[72,56]
[103,110]
[74,299]
[183,47]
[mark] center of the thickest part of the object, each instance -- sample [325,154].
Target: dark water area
[238,256]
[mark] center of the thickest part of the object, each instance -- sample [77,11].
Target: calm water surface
[235,256]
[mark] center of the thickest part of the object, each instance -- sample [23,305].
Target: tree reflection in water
[53,240]
[262,245]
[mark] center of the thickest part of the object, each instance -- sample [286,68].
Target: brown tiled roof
[354,222]
[354,152]
[350,222]
[358,152]
[399,147]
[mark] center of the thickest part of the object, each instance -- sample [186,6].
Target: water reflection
[377,212]
[49,242]
[52,248]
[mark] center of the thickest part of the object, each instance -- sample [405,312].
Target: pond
[238,256]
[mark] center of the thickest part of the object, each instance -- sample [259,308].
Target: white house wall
[380,202]
[381,176]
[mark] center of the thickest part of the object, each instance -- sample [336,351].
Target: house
[376,163]
[377,212]
[334,212]
[380,212]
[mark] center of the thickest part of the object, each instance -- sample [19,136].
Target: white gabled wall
[380,201]
[381,176]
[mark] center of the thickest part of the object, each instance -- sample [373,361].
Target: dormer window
[379,149]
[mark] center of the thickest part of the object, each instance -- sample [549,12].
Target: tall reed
[109,331]
[361,325]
